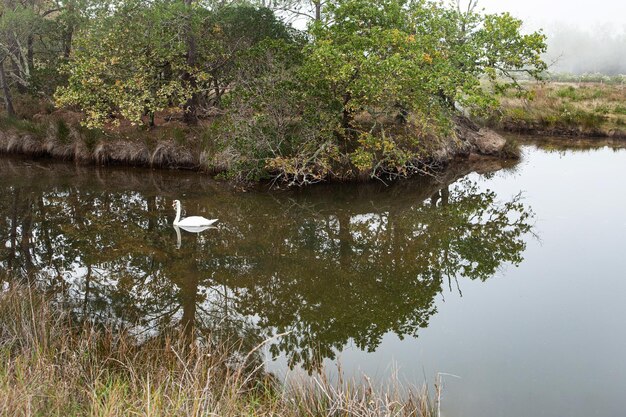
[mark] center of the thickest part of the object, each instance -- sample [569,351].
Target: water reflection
[562,145]
[189,229]
[328,265]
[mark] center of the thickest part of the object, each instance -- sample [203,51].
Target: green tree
[147,57]
[481,46]
[129,64]
[228,39]
[368,61]
[392,73]
[17,22]
[35,39]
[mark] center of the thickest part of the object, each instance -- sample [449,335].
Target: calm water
[512,281]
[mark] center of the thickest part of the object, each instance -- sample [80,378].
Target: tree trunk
[68,33]
[445,196]
[152,212]
[346,242]
[346,121]
[191,116]
[45,232]
[30,57]
[27,225]
[67,43]
[13,233]
[8,99]
[17,71]
[188,298]
[218,92]
[318,10]
[87,291]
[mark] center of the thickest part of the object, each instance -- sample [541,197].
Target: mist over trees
[578,50]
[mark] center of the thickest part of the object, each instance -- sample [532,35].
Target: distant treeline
[369,87]
[587,78]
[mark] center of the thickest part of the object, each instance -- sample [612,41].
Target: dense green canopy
[368,87]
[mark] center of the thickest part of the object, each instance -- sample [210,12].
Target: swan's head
[176,204]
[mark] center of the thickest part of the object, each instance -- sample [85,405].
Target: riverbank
[52,365]
[584,109]
[200,148]
[53,136]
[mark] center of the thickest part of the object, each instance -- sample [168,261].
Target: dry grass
[575,109]
[169,154]
[52,366]
[53,137]
[128,153]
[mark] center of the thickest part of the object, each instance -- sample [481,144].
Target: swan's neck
[177,219]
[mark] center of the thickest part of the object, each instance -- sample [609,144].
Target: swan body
[190,222]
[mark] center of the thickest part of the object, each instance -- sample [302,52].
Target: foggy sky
[550,13]
[583,36]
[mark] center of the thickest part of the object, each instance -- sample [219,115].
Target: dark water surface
[514,281]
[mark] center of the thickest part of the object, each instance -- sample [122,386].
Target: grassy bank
[170,146]
[52,366]
[565,109]
[206,148]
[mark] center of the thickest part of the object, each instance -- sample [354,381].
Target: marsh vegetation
[53,365]
[583,109]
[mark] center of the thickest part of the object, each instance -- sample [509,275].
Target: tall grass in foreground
[50,366]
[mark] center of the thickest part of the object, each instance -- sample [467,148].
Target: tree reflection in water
[327,265]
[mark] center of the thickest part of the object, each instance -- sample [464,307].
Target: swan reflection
[190,229]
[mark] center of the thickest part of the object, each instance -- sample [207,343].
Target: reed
[50,365]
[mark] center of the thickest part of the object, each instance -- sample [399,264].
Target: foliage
[134,62]
[371,89]
[390,74]
[35,39]
[128,63]
[271,123]
[228,39]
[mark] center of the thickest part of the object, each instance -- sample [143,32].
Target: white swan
[190,222]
